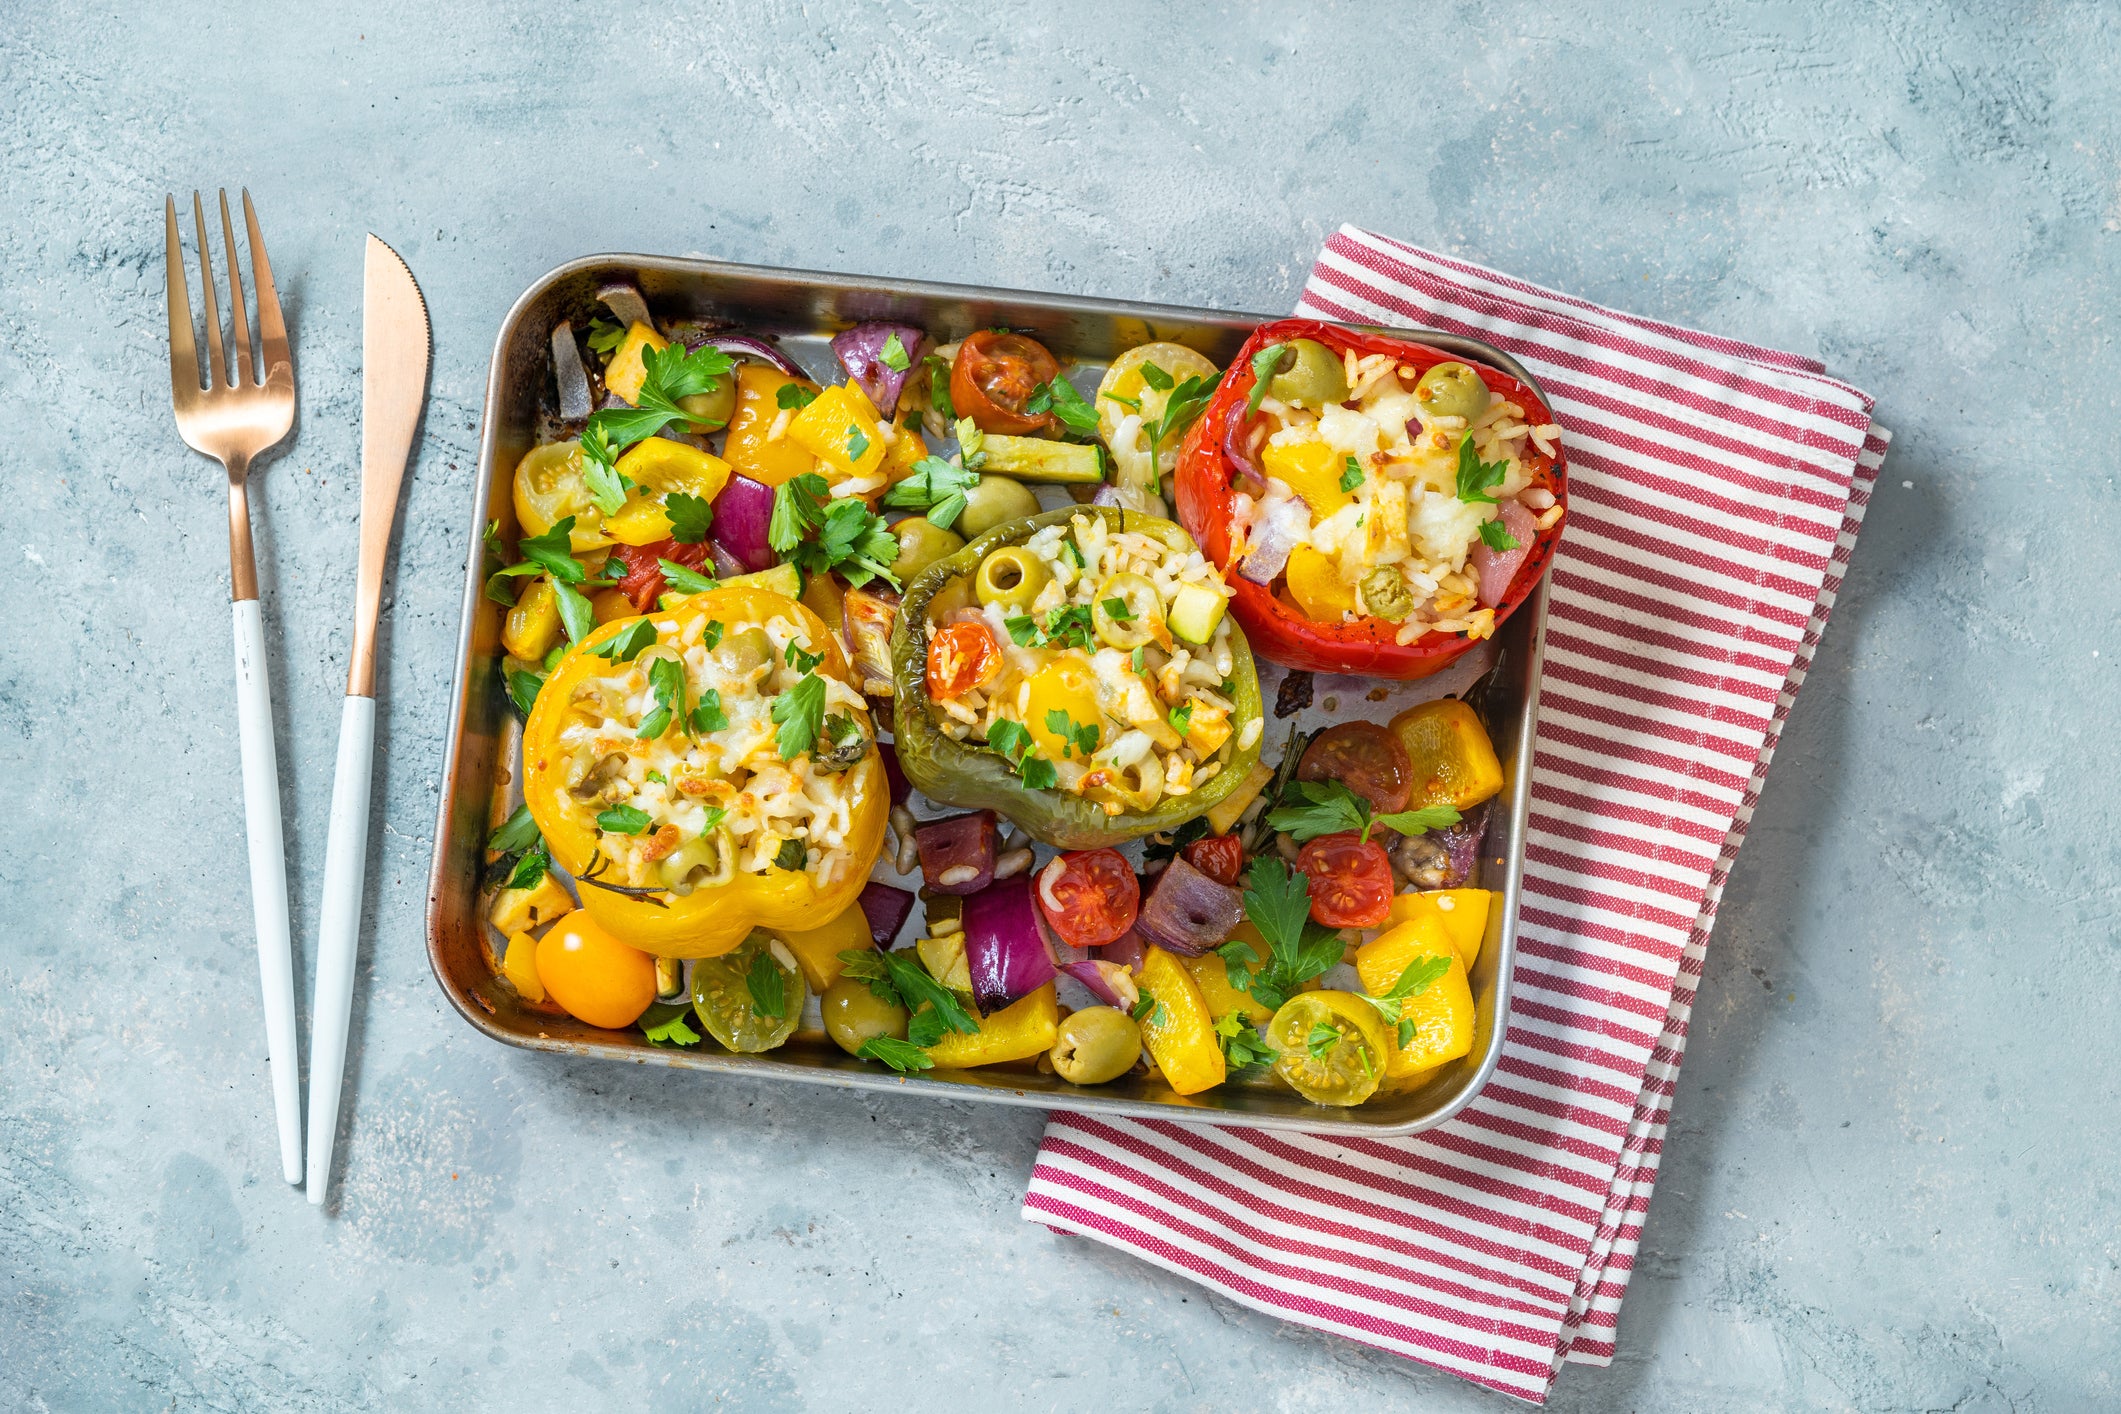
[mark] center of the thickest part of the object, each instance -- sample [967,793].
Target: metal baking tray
[803,309]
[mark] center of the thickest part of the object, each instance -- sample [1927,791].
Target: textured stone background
[1891,1181]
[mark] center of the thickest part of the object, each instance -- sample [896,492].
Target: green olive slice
[1127,611]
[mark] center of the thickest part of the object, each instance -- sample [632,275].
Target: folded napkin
[1716,490]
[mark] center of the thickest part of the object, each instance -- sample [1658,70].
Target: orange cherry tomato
[1351,880]
[960,658]
[1220,857]
[994,375]
[1365,758]
[597,978]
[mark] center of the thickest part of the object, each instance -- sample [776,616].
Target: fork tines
[222,372]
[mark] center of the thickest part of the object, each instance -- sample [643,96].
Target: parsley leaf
[1351,475]
[916,989]
[936,487]
[1412,983]
[799,712]
[1323,1037]
[1009,738]
[1314,808]
[850,537]
[672,1032]
[604,482]
[939,387]
[1070,625]
[792,855]
[668,374]
[1476,477]
[707,713]
[1182,717]
[1265,364]
[626,645]
[1278,904]
[1419,822]
[1038,773]
[1496,536]
[1242,1045]
[1156,378]
[622,820]
[1133,405]
[711,635]
[1081,739]
[690,517]
[798,508]
[576,615]
[1139,658]
[857,444]
[894,356]
[553,552]
[605,336]
[1117,610]
[517,832]
[1023,630]
[1069,408]
[794,397]
[683,580]
[666,678]
[767,984]
[1150,1011]
[799,660]
[901,1056]
[866,965]
[523,689]
[1181,408]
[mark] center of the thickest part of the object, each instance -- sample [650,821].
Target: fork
[232,417]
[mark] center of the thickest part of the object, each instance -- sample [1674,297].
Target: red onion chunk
[1129,952]
[1462,842]
[742,514]
[747,346]
[1496,568]
[950,848]
[1188,912]
[860,351]
[1004,950]
[894,773]
[726,565]
[1112,983]
[1237,443]
[887,910]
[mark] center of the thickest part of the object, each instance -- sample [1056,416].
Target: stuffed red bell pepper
[1378,505]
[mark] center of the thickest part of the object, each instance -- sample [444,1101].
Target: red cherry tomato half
[643,582]
[1366,759]
[995,375]
[1220,857]
[1098,895]
[1351,880]
[960,658]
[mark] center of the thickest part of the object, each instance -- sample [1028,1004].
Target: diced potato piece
[627,371]
[520,910]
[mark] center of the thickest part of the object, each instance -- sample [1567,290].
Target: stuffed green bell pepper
[1078,672]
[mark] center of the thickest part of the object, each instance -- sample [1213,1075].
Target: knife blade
[395,345]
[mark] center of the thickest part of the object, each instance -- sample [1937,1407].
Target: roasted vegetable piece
[993,501]
[994,375]
[1036,459]
[1005,953]
[720,910]
[659,466]
[1334,1046]
[1188,912]
[593,975]
[520,910]
[1450,759]
[532,627]
[1211,974]
[751,447]
[920,544]
[1015,1033]
[1312,378]
[1177,1027]
[1096,1045]
[1351,880]
[519,964]
[817,950]
[839,428]
[750,999]
[879,356]
[1366,759]
[957,853]
[960,773]
[1441,1013]
[1089,897]
[1462,913]
[886,910]
[1281,632]
[1220,857]
[855,1014]
[548,488]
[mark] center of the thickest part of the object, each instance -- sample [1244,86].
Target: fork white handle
[339,932]
[268,879]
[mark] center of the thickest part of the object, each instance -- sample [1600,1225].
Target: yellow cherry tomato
[659,466]
[533,625]
[549,488]
[1064,685]
[597,978]
[1334,1046]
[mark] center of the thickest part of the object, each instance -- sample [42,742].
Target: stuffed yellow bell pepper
[707,770]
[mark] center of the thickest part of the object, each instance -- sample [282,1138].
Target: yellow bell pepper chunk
[1454,762]
[610,605]
[627,370]
[817,950]
[1312,470]
[520,910]
[1179,1030]
[1442,1012]
[1027,1027]
[1463,914]
[907,449]
[533,625]
[520,966]
[750,447]
[1212,975]
[1316,586]
[839,429]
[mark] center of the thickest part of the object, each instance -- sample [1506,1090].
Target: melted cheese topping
[718,803]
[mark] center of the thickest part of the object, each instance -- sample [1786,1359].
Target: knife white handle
[339,932]
[268,880]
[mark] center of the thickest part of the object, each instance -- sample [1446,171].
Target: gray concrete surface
[1891,1183]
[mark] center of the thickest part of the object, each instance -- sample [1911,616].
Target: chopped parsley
[683,580]
[690,517]
[626,645]
[939,386]
[1242,1045]
[1149,1011]
[1496,536]
[894,356]
[816,534]
[605,336]
[1080,739]
[793,854]
[896,978]
[1412,983]
[668,1028]
[857,444]
[1117,610]
[797,659]
[1312,808]
[517,832]
[901,1056]
[1351,475]
[1180,408]
[1067,406]
[794,397]
[799,712]
[666,678]
[1182,717]
[622,820]
[523,689]
[767,984]
[707,713]
[935,486]
[1156,378]
[1323,1037]
[711,635]
[971,444]
[1265,364]
[1477,478]
[668,374]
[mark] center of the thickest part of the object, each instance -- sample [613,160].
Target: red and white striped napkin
[1716,490]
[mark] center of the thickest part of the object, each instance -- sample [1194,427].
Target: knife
[395,343]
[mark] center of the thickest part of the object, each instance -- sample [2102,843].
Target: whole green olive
[1096,1044]
[1011,577]
[921,543]
[1385,594]
[994,500]
[1315,378]
[1452,390]
[854,1014]
[716,404]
